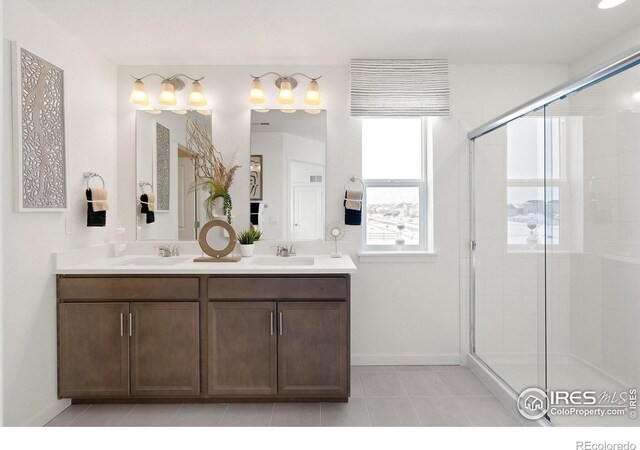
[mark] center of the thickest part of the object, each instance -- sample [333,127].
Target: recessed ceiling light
[606,4]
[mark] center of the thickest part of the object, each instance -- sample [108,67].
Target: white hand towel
[99,199]
[353,200]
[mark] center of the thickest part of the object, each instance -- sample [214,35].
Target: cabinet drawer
[254,288]
[123,288]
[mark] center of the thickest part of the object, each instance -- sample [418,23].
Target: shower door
[508,262]
[555,229]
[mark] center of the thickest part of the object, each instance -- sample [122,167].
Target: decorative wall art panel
[255,177]
[39,133]
[163,167]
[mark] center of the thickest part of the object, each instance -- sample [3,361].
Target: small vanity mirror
[165,172]
[288,173]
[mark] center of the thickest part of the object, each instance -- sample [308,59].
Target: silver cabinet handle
[281,330]
[130,324]
[121,324]
[271,322]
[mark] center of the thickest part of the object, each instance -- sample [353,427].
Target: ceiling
[335,31]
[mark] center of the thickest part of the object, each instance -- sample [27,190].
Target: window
[527,204]
[394,175]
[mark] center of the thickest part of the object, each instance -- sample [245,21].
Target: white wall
[606,51]
[29,295]
[605,272]
[4,150]
[402,312]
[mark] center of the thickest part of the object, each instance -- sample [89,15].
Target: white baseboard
[501,391]
[48,413]
[406,360]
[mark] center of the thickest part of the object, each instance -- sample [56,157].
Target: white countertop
[322,264]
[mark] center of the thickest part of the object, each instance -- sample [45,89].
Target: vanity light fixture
[288,110]
[180,112]
[313,111]
[286,85]
[152,111]
[168,90]
[261,110]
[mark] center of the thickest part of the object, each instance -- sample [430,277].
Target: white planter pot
[246,250]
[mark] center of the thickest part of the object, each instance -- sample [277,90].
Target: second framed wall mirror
[287,174]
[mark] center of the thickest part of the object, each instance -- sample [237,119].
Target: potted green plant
[246,239]
[257,234]
[211,173]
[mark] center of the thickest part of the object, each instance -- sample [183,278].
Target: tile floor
[380,396]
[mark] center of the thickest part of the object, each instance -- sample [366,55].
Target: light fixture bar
[169,86]
[286,84]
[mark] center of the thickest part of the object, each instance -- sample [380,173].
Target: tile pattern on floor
[380,396]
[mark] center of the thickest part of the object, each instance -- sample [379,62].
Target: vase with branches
[211,173]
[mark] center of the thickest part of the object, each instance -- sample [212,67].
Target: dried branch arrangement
[211,172]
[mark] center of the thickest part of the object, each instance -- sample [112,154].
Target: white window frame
[424,199]
[559,183]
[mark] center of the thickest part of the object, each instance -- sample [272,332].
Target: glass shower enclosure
[555,238]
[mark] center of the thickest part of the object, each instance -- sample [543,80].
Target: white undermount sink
[154,261]
[283,260]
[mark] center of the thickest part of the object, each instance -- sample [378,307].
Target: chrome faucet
[175,251]
[164,251]
[284,251]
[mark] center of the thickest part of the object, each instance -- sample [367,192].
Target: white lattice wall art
[163,167]
[39,133]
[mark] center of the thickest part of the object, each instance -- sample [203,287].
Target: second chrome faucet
[283,250]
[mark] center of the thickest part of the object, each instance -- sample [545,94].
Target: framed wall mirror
[287,174]
[165,172]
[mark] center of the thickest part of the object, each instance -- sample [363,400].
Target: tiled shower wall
[605,276]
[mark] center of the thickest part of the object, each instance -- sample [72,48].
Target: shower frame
[609,68]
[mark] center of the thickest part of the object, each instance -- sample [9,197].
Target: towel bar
[142,184]
[354,179]
[89,175]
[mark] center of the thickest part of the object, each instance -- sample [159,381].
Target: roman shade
[399,87]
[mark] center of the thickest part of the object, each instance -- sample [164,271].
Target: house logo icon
[533,403]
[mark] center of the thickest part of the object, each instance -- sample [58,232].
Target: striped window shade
[399,87]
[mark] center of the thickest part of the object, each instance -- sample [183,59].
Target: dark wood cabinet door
[313,348]
[93,350]
[242,348]
[165,355]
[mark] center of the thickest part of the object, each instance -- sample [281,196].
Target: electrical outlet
[68,226]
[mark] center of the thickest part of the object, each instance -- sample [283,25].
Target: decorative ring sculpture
[204,245]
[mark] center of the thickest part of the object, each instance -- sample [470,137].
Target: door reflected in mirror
[168,207]
[287,175]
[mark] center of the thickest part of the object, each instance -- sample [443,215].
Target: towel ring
[89,175]
[142,184]
[354,179]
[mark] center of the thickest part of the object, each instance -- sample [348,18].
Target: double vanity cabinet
[207,338]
